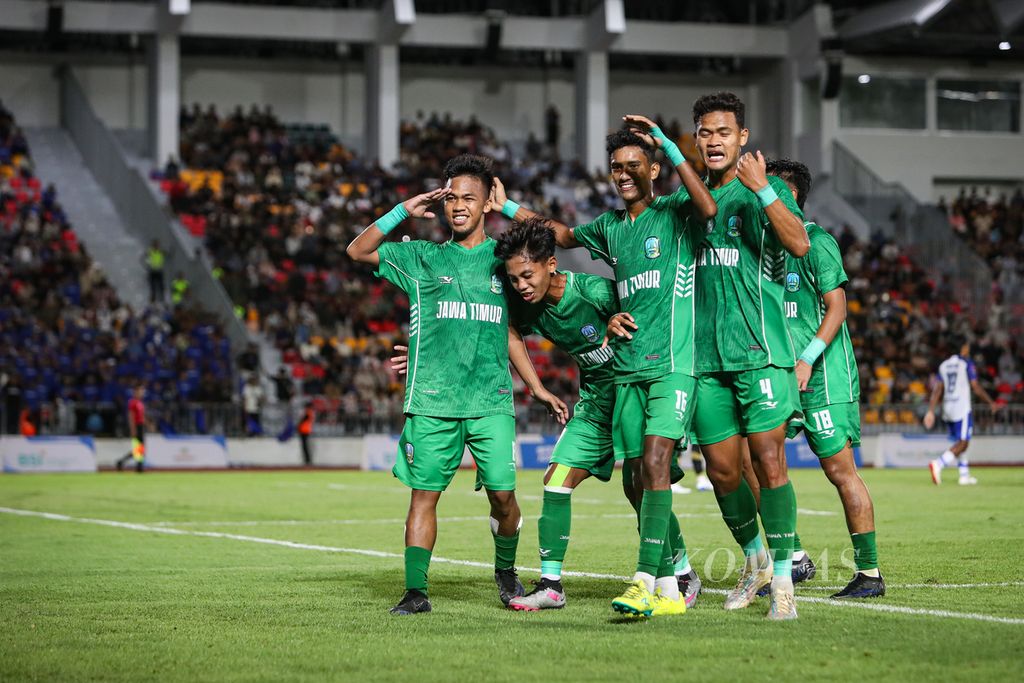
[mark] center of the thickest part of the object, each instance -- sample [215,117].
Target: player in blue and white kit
[954,383]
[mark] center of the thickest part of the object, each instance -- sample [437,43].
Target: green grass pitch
[283,576]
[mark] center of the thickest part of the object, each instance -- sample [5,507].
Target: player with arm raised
[650,246]
[828,380]
[571,311]
[459,389]
[956,379]
[747,386]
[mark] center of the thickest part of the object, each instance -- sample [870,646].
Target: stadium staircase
[922,229]
[92,213]
[118,212]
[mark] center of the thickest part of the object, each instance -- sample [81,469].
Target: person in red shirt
[137,430]
[305,431]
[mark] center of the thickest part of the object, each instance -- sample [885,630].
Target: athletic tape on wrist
[392,218]
[814,349]
[767,195]
[509,209]
[670,148]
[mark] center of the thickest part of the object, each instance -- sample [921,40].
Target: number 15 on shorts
[681,398]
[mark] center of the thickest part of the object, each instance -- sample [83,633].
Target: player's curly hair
[627,138]
[533,238]
[719,101]
[479,167]
[795,174]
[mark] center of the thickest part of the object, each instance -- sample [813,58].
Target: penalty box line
[170,531]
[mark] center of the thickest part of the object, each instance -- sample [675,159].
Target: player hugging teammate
[699,334]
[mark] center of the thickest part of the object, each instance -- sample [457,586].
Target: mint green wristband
[670,148]
[814,349]
[392,218]
[509,209]
[767,195]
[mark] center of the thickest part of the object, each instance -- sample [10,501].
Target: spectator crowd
[66,338]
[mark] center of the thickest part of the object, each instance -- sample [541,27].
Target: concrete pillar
[592,109]
[164,96]
[382,106]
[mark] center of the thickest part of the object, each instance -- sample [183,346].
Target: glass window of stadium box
[867,101]
[990,106]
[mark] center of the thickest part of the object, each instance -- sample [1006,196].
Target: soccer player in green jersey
[828,379]
[571,310]
[459,389]
[651,248]
[747,386]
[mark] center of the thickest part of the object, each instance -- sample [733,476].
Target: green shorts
[744,402]
[430,451]
[586,445]
[828,428]
[656,407]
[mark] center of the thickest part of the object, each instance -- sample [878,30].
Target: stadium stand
[993,226]
[70,349]
[276,205]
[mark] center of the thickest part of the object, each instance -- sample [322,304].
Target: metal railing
[228,419]
[921,230]
[134,202]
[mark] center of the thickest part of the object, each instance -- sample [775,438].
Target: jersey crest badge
[589,333]
[445,279]
[496,285]
[792,282]
[408,453]
[735,225]
[652,247]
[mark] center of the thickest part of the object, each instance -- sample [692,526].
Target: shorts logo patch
[496,285]
[652,247]
[792,282]
[409,450]
[589,333]
[445,279]
[735,225]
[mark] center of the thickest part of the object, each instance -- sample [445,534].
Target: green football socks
[417,562]
[655,509]
[865,553]
[778,514]
[739,510]
[505,550]
[553,533]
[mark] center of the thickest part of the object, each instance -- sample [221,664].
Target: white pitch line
[356,522]
[873,606]
[999,584]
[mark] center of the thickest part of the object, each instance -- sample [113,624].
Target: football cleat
[665,607]
[509,585]
[413,602]
[636,601]
[936,469]
[689,587]
[803,569]
[862,586]
[703,483]
[680,489]
[546,594]
[752,579]
[968,481]
[783,605]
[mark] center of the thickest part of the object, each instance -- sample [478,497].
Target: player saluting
[828,379]
[571,311]
[651,248]
[459,389]
[745,358]
[957,378]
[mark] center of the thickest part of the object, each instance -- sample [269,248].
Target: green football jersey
[834,378]
[577,325]
[741,270]
[653,259]
[458,327]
